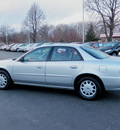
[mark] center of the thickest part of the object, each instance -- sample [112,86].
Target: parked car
[78,42]
[95,44]
[8,47]
[22,47]
[33,46]
[111,48]
[86,70]
[28,46]
[2,47]
[13,48]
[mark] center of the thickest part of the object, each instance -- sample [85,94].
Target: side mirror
[14,58]
[21,59]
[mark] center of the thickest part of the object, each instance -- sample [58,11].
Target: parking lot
[38,108]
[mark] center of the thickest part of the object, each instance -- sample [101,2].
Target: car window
[101,44]
[94,52]
[65,54]
[39,54]
[110,44]
[95,45]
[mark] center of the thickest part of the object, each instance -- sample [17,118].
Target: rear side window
[65,54]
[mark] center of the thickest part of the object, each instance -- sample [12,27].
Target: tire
[114,54]
[5,80]
[88,88]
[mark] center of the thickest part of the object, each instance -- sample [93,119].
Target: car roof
[62,44]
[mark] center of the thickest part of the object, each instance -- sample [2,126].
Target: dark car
[111,48]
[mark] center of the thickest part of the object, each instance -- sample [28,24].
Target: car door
[30,69]
[65,63]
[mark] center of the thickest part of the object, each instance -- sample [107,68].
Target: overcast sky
[13,12]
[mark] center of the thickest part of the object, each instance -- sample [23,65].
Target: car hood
[6,62]
[105,48]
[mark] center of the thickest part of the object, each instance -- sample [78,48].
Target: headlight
[108,50]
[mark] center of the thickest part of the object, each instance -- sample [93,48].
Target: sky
[13,12]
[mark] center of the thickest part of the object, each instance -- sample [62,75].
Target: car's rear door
[65,63]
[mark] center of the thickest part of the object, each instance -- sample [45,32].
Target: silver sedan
[86,70]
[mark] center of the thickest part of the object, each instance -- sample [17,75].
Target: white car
[79,67]
[34,45]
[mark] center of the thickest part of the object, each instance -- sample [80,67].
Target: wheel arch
[6,72]
[88,75]
[114,52]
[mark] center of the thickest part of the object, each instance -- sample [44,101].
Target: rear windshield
[94,52]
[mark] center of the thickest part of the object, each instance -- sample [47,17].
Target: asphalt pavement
[39,108]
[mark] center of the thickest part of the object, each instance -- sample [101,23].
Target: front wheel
[5,80]
[114,54]
[89,88]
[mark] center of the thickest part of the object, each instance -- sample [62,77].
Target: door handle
[39,66]
[73,67]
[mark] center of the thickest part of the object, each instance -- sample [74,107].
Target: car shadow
[108,96]
[46,90]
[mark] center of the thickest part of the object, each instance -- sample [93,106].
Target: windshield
[89,44]
[94,52]
[110,44]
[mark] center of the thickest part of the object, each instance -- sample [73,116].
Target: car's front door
[30,69]
[65,63]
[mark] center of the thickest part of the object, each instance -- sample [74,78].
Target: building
[115,37]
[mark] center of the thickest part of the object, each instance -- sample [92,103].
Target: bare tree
[6,34]
[19,37]
[43,34]
[65,33]
[108,11]
[34,21]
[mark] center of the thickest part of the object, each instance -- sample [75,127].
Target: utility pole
[83,24]
[28,28]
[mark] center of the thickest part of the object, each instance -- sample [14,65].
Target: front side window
[37,55]
[65,54]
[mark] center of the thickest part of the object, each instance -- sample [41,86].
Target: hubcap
[88,88]
[3,80]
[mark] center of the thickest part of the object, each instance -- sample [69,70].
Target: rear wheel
[89,88]
[5,80]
